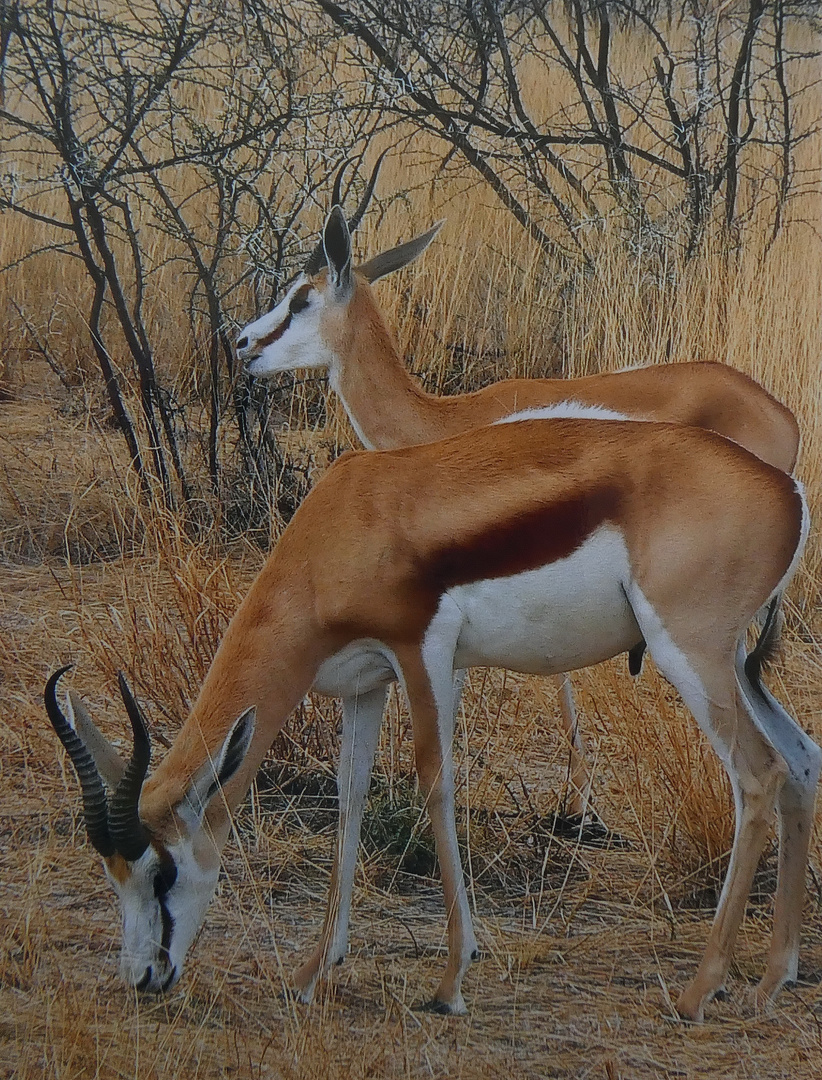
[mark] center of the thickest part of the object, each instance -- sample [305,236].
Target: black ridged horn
[357,216]
[95,806]
[316,260]
[130,836]
[336,191]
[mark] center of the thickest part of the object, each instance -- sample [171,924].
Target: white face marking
[574,410]
[288,337]
[162,905]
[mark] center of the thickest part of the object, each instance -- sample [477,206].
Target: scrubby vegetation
[135,507]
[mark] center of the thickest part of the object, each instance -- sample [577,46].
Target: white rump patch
[573,410]
[804,532]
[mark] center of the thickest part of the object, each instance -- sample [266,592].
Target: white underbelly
[567,615]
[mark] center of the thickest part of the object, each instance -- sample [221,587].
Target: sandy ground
[583,949]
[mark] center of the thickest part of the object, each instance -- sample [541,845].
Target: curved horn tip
[135,713]
[359,213]
[54,678]
[379,162]
[95,805]
[336,193]
[55,713]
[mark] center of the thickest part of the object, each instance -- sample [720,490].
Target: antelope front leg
[437,783]
[429,683]
[361,731]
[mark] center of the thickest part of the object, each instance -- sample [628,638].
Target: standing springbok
[539,545]
[330,319]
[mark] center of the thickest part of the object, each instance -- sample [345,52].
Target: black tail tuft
[764,652]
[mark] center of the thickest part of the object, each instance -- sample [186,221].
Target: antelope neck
[387,406]
[268,659]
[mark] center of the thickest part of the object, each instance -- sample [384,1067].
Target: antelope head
[164,871]
[301,331]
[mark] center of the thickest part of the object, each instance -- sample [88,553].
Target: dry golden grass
[583,949]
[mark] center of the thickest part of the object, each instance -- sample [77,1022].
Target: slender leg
[705,674]
[795,809]
[580,797]
[429,683]
[757,774]
[432,744]
[362,717]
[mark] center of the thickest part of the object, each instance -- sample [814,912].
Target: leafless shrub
[703,129]
[178,143]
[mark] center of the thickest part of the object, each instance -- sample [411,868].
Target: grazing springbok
[539,545]
[320,324]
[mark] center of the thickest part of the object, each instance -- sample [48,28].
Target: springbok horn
[357,216]
[109,764]
[336,191]
[95,807]
[316,260]
[129,834]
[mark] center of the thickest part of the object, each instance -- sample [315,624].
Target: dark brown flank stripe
[526,542]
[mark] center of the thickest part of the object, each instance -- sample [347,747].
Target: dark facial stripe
[163,882]
[526,542]
[275,334]
[167,921]
[296,302]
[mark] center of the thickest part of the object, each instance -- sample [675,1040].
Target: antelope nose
[243,342]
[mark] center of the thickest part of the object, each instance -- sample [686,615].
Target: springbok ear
[218,770]
[398,257]
[109,763]
[337,244]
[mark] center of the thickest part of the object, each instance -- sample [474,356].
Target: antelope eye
[164,879]
[298,303]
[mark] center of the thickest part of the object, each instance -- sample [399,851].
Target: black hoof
[806,977]
[441,1008]
[587,830]
[475,955]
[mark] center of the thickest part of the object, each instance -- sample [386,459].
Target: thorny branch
[679,131]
